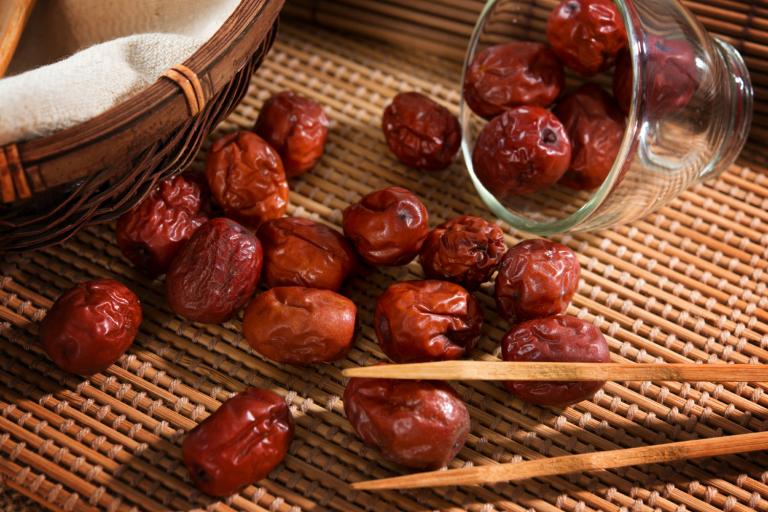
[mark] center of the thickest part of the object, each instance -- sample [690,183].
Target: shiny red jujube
[595,127]
[296,127]
[246,178]
[586,35]
[240,443]
[465,250]
[300,326]
[419,424]
[387,227]
[555,339]
[215,273]
[511,75]
[150,234]
[536,278]
[419,321]
[301,252]
[521,151]
[90,326]
[420,132]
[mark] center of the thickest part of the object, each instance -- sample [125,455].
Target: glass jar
[667,146]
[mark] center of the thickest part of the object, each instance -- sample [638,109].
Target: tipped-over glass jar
[688,103]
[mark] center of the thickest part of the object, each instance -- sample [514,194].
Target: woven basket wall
[686,284]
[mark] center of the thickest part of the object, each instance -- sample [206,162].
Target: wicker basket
[51,186]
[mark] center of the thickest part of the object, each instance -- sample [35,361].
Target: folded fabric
[87,83]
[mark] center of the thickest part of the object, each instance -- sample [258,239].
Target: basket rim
[125,114]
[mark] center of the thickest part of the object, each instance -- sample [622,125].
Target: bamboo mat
[686,284]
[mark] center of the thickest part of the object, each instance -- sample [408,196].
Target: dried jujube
[521,151]
[90,326]
[387,227]
[420,132]
[247,179]
[465,250]
[511,75]
[240,443]
[427,321]
[672,76]
[297,325]
[595,127]
[536,278]
[302,252]
[419,424]
[215,273]
[555,339]
[297,127]
[586,35]
[151,233]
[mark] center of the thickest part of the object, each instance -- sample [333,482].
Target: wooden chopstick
[13,17]
[541,371]
[493,473]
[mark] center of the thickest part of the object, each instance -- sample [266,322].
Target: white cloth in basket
[78,58]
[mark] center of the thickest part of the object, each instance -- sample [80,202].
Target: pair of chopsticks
[541,371]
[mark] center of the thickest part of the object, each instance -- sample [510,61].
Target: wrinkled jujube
[215,273]
[465,250]
[297,325]
[671,76]
[555,339]
[90,326]
[586,35]
[521,151]
[240,443]
[150,234]
[420,132]
[416,423]
[297,127]
[511,75]
[595,127]
[536,278]
[387,227]
[247,179]
[427,321]
[302,252]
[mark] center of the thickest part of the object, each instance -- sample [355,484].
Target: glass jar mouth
[574,220]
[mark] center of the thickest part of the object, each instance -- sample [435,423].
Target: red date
[300,326]
[240,443]
[387,227]
[420,132]
[521,151]
[215,273]
[296,127]
[302,252]
[586,35]
[417,423]
[465,250]
[151,234]
[672,77]
[595,127]
[537,278]
[511,75]
[247,179]
[555,339]
[419,321]
[90,326]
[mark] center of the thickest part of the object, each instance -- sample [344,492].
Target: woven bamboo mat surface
[685,284]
